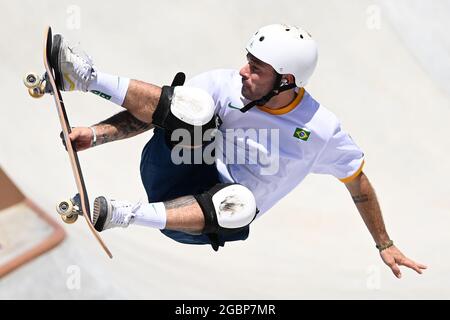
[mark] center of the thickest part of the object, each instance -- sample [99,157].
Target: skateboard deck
[81,200]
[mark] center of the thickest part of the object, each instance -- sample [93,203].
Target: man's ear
[287,79]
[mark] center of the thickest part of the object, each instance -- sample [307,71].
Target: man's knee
[185,112]
[227,208]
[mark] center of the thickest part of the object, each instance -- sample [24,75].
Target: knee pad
[227,207]
[186,114]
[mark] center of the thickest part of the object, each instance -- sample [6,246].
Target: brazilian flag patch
[302,134]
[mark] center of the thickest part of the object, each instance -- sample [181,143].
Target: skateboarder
[265,132]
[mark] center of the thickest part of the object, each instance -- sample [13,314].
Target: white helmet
[288,49]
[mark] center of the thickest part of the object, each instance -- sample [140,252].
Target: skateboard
[70,209]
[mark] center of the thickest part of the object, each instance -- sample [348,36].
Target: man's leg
[141,100]
[168,107]
[184,214]
[223,208]
[75,71]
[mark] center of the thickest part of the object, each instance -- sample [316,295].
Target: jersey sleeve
[341,157]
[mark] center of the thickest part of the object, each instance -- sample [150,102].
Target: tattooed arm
[120,126]
[365,199]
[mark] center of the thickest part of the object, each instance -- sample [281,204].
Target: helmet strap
[278,88]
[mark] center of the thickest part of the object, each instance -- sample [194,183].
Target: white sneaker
[112,213]
[74,70]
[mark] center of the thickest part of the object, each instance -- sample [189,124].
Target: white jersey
[272,151]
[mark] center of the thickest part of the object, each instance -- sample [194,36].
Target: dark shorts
[163,180]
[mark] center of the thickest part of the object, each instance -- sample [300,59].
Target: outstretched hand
[81,138]
[394,258]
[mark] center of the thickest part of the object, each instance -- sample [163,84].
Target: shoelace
[122,215]
[83,64]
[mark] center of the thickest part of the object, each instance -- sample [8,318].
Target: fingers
[407,263]
[413,265]
[82,139]
[390,261]
[73,137]
[394,258]
[396,270]
[61,135]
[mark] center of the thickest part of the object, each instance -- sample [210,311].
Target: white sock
[110,87]
[151,215]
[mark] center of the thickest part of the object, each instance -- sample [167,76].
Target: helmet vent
[301,36]
[261,39]
[288,29]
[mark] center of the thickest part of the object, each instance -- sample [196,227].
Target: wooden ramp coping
[11,196]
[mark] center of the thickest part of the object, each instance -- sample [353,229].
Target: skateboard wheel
[70,218]
[35,92]
[31,80]
[65,208]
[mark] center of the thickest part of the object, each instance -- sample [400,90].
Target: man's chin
[246,94]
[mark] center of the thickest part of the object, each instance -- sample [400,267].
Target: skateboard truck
[69,210]
[35,84]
